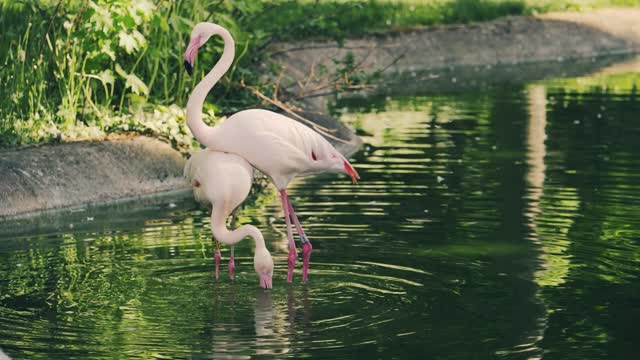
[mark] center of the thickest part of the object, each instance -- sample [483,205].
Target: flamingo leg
[306,244]
[217,256]
[292,245]
[232,263]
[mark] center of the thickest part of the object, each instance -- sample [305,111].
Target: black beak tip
[188,67]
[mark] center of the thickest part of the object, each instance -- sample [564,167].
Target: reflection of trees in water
[109,291]
[435,155]
[593,143]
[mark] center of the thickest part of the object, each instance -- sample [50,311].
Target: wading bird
[222,181]
[278,146]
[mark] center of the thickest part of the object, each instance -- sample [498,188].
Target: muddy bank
[86,172]
[506,41]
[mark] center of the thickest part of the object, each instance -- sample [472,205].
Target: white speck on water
[454,80]
[89,218]
[70,226]
[388,98]
[440,179]
[413,74]
[172,205]
[494,147]
[576,122]
[426,211]
[599,115]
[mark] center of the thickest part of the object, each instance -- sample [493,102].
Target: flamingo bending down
[278,146]
[223,181]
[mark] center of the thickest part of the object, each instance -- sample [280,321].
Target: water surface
[497,221]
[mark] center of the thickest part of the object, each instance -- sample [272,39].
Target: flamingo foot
[293,255]
[232,269]
[306,255]
[217,257]
[265,281]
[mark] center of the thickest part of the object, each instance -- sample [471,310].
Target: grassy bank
[80,68]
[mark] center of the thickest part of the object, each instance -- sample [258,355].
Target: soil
[506,41]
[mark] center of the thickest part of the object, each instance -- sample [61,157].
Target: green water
[496,222]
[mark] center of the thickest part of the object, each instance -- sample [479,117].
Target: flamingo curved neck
[201,131]
[222,234]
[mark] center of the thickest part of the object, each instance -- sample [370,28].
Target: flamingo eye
[313,156]
[196,183]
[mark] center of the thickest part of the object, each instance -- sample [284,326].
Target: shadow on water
[499,221]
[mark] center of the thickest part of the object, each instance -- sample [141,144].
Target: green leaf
[106,49]
[139,38]
[137,86]
[100,19]
[121,71]
[128,42]
[106,76]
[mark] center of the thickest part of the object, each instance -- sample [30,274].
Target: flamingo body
[219,178]
[222,181]
[280,147]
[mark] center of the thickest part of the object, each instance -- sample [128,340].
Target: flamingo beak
[265,281]
[190,55]
[351,172]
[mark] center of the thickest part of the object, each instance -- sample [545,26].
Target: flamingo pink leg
[306,244]
[293,254]
[217,257]
[232,266]
[232,263]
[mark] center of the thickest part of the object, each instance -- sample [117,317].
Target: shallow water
[500,221]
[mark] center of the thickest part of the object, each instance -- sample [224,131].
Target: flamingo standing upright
[223,181]
[278,146]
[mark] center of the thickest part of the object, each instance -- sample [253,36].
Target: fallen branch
[288,109]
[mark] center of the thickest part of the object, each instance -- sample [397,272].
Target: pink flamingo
[223,181]
[278,146]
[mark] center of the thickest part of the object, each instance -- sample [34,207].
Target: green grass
[86,68]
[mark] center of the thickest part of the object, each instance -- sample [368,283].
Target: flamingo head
[199,36]
[335,162]
[263,264]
